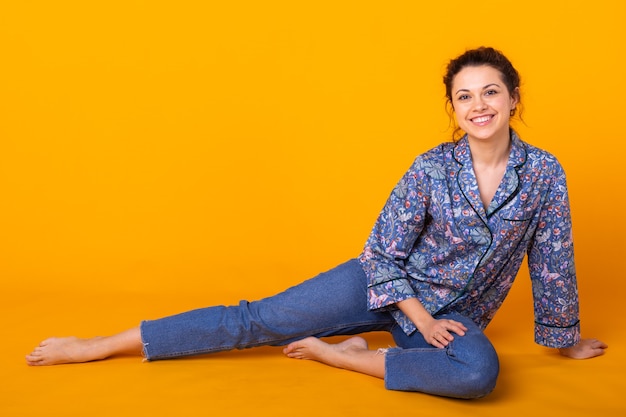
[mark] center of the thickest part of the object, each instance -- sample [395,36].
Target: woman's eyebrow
[485,87]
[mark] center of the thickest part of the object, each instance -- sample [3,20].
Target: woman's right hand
[439,332]
[436,332]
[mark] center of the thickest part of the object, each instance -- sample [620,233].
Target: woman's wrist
[416,312]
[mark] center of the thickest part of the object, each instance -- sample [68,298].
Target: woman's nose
[479,104]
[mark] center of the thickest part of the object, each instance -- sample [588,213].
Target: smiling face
[482,103]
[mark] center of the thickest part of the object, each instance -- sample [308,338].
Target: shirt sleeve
[392,238]
[552,270]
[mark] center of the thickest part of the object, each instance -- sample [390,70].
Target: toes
[295,355]
[291,347]
[46,342]
[56,340]
[33,360]
[294,350]
[35,353]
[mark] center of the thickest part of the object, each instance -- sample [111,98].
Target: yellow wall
[194,145]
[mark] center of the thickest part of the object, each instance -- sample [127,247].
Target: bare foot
[333,355]
[56,351]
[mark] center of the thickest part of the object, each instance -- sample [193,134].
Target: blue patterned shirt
[434,240]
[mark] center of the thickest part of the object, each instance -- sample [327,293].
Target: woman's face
[482,103]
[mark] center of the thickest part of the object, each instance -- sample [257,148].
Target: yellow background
[159,156]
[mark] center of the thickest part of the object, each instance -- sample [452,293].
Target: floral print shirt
[435,240]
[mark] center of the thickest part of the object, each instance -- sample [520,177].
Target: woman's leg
[352,354]
[56,351]
[467,368]
[332,303]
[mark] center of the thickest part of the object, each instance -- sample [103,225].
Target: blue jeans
[333,303]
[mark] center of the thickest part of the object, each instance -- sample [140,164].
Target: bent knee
[476,383]
[478,375]
[443,375]
[462,384]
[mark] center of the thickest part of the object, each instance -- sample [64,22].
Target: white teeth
[481,119]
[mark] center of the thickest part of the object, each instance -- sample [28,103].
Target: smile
[482,119]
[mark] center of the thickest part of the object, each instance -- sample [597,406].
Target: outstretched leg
[352,354]
[55,351]
[333,303]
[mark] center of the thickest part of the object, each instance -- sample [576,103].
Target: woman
[438,264]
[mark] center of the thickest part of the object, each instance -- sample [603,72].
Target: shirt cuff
[557,337]
[386,295]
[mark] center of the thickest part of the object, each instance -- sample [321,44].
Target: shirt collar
[507,189]
[517,154]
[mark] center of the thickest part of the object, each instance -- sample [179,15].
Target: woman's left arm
[585,349]
[551,263]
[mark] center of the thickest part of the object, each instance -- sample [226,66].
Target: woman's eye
[491,92]
[463,97]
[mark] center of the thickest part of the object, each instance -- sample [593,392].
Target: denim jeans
[333,303]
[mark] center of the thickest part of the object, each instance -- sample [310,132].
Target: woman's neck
[490,154]
[489,161]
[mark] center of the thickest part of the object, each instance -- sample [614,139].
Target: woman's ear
[515,98]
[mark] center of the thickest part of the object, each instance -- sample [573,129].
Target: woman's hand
[439,332]
[585,349]
[436,332]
